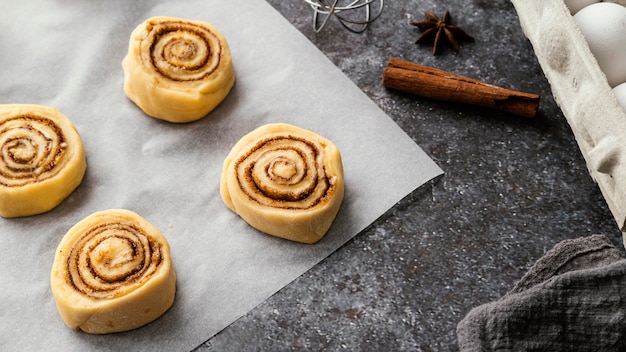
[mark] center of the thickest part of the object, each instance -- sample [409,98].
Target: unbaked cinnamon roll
[41,159]
[177,70]
[112,272]
[284,181]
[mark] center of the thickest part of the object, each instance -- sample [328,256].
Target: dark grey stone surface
[512,189]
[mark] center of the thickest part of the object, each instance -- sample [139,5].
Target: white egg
[576,5]
[620,93]
[604,27]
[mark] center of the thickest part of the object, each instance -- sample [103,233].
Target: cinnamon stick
[437,84]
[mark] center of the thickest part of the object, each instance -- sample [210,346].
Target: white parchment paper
[67,54]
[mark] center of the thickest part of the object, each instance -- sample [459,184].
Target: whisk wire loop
[323,10]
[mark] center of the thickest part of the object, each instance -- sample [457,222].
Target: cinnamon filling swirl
[111,258]
[182,51]
[177,70]
[112,272]
[31,150]
[284,181]
[42,159]
[284,172]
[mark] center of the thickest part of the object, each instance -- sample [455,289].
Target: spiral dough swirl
[284,172]
[42,159]
[110,257]
[112,272]
[182,51]
[285,181]
[177,70]
[31,149]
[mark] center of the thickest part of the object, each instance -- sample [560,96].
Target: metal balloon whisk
[345,11]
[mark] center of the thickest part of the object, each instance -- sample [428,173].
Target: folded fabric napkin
[572,299]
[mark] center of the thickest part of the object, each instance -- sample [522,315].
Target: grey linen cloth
[572,299]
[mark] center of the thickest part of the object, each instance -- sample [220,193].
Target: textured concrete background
[512,189]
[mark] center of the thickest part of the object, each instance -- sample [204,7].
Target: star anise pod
[435,31]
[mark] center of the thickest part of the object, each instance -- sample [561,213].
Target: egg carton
[582,92]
